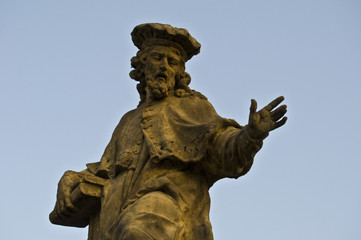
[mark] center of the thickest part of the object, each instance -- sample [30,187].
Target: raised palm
[265,120]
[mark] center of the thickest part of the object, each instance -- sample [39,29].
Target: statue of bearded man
[153,179]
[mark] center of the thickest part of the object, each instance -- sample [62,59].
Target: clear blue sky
[64,86]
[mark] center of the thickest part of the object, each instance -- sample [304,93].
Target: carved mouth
[161,75]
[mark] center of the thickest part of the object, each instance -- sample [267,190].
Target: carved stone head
[160,61]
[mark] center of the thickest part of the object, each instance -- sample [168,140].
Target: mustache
[162,75]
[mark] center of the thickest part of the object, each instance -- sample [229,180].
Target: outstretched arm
[231,148]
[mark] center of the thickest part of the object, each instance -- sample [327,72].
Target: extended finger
[62,211]
[65,213]
[70,206]
[253,107]
[280,123]
[279,112]
[274,103]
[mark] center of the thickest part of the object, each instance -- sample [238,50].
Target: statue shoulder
[199,95]
[192,106]
[131,115]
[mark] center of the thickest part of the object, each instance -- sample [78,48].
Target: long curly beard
[159,87]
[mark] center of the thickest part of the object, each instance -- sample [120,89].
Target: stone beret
[149,34]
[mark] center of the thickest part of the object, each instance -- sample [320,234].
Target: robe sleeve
[230,151]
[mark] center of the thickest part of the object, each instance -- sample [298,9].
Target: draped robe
[160,163]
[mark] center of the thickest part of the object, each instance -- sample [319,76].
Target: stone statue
[153,179]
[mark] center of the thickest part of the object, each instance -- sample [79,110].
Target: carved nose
[164,65]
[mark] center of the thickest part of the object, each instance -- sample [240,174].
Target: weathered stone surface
[153,179]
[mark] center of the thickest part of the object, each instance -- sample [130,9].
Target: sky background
[64,86]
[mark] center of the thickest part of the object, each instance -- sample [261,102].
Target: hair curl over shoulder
[138,63]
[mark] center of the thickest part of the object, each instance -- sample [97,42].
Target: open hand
[265,120]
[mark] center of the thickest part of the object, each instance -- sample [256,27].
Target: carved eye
[172,62]
[156,56]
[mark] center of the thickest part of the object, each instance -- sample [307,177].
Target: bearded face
[162,66]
